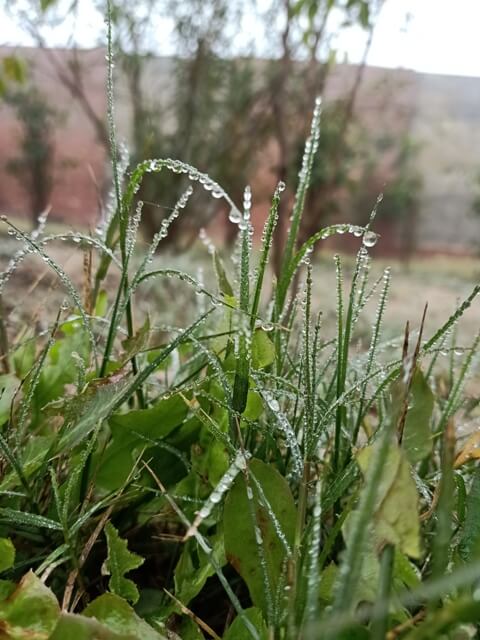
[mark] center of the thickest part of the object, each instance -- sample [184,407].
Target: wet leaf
[238,631]
[263,350]
[7,554]
[78,627]
[138,342]
[30,612]
[120,561]
[119,617]
[154,423]
[240,543]
[194,568]
[396,510]
[417,435]
[8,387]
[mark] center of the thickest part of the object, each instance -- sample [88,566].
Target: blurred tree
[34,167]
[221,107]
[308,33]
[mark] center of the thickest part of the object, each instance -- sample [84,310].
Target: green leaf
[453,613]
[194,568]
[138,342]
[8,387]
[188,630]
[101,304]
[238,631]
[240,543]
[119,617]
[396,509]
[154,423]
[223,284]
[417,436]
[120,561]
[31,611]
[263,351]
[7,554]
[254,408]
[77,627]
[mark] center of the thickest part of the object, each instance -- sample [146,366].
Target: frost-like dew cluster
[287,431]
[239,464]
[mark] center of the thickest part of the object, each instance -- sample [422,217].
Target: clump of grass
[242,476]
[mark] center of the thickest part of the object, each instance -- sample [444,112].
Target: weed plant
[242,477]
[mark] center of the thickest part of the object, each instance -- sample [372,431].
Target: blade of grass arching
[445,506]
[66,281]
[299,257]
[372,351]
[240,385]
[304,178]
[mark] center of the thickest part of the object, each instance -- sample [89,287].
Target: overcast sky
[435,36]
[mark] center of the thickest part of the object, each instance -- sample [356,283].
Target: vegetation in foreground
[241,477]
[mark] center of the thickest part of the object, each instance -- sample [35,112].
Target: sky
[432,36]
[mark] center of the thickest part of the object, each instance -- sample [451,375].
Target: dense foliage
[244,476]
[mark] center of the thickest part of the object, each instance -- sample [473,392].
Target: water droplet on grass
[370,239]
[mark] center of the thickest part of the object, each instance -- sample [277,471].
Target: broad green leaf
[101,304]
[30,613]
[188,630]
[127,429]
[240,543]
[396,510]
[263,350]
[417,435]
[7,554]
[469,547]
[8,387]
[119,617]
[77,627]
[254,408]
[119,562]
[194,568]
[238,631]
[404,573]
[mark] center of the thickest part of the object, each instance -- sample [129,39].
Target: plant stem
[380,617]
